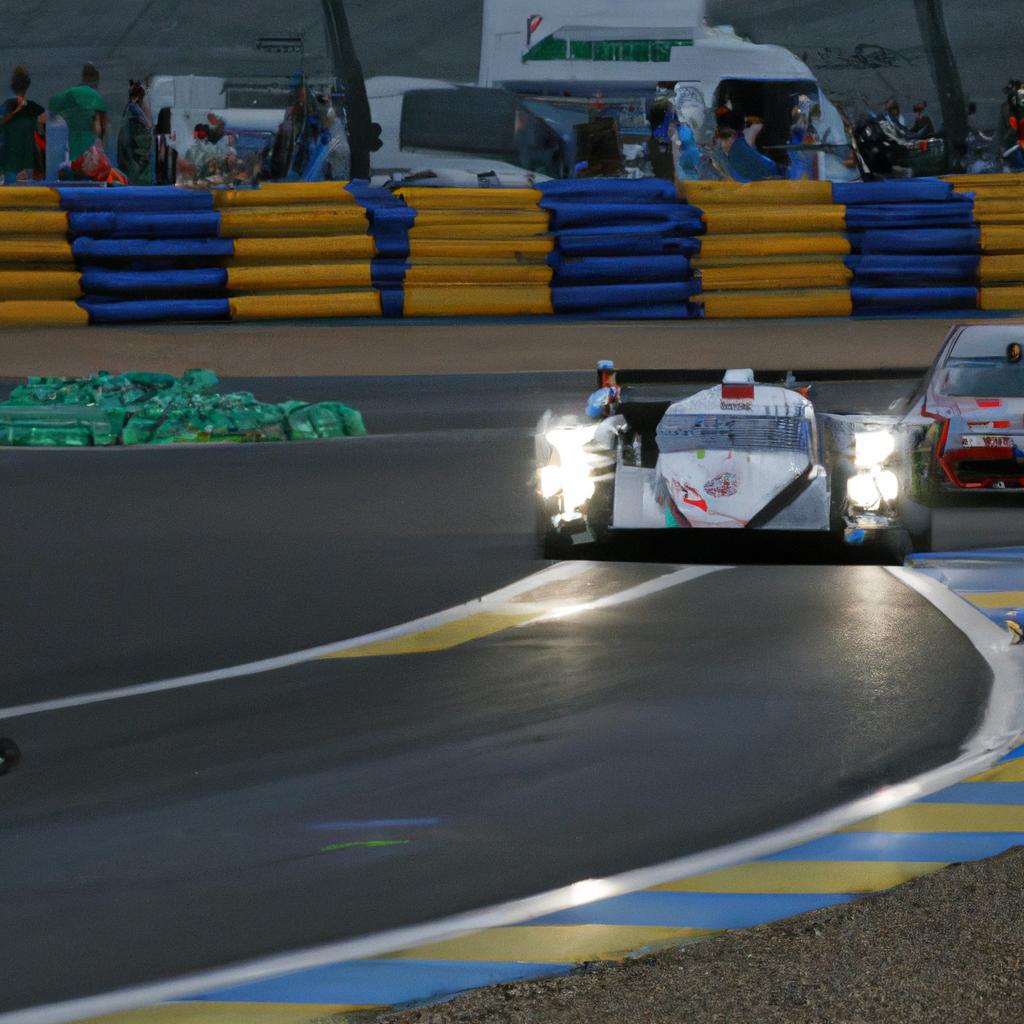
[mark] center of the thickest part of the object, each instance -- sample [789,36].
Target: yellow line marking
[995,598]
[552,943]
[1011,771]
[929,817]
[787,876]
[232,1013]
[440,638]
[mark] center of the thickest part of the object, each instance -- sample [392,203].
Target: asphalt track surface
[157,835]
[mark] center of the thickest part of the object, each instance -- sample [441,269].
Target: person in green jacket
[18,117]
[85,111]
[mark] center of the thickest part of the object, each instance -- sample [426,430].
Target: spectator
[744,163]
[893,113]
[85,111]
[18,118]
[135,138]
[923,127]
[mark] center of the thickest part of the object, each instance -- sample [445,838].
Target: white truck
[565,62]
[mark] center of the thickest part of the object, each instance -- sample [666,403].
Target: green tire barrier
[158,408]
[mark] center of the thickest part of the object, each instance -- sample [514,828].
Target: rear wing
[642,391]
[632,376]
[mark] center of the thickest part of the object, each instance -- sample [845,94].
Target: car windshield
[985,360]
[984,377]
[484,122]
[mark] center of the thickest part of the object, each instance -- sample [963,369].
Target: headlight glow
[863,493]
[867,491]
[888,485]
[550,480]
[872,448]
[571,474]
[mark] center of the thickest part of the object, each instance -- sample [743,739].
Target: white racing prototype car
[738,455]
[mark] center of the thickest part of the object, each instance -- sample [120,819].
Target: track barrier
[606,248]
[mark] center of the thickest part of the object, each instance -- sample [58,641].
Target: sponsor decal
[738,397]
[687,495]
[987,441]
[532,25]
[722,486]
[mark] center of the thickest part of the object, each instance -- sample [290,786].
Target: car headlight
[570,475]
[888,485]
[863,493]
[867,491]
[872,448]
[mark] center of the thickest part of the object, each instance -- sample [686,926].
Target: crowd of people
[689,141]
[85,111]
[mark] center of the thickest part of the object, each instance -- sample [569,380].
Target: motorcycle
[888,149]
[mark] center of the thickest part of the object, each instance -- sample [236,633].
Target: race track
[158,834]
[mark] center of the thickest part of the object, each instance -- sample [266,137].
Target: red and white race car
[971,406]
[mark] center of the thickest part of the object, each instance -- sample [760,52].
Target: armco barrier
[583,248]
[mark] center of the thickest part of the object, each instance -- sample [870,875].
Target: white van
[572,59]
[440,133]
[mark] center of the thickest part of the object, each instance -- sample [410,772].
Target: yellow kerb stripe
[790,876]
[1011,771]
[552,943]
[930,817]
[996,599]
[440,638]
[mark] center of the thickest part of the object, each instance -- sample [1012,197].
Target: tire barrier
[157,408]
[588,248]
[918,247]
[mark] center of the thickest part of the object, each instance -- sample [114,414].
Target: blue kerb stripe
[982,554]
[936,847]
[381,982]
[1013,754]
[980,793]
[693,909]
